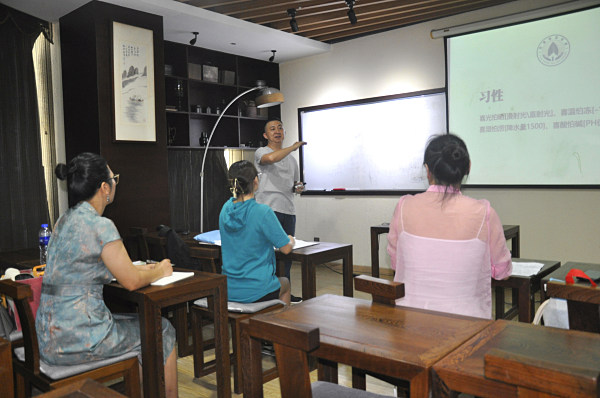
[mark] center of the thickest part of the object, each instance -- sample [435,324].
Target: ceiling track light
[350,13]
[272,57]
[193,41]
[291,12]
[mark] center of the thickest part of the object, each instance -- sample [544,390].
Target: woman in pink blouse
[443,245]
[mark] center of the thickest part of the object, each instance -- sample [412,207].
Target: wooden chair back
[28,373]
[535,377]
[138,247]
[382,290]
[292,343]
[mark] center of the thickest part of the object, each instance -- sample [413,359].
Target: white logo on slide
[553,50]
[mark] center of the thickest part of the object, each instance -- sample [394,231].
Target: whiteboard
[374,144]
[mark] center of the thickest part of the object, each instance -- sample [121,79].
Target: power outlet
[317,239]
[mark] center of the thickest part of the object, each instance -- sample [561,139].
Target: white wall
[555,224]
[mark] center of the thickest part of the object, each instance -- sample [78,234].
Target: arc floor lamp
[268,97]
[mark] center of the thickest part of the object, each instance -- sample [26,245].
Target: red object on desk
[580,274]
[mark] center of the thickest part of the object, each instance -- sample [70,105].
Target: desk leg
[309,280]
[153,369]
[348,270]
[439,388]
[516,246]
[374,254]
[525,303]
[419,385]
[359,379]
[182,330]
[327,371]
[499,302]
[252,369]
[223,368]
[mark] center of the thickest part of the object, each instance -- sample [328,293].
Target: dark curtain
[23,205]
[184,188]
[216,190]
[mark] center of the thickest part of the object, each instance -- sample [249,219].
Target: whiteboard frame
[363,101]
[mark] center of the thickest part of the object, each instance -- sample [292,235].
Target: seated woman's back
[446,247]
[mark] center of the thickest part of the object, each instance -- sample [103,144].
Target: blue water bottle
[44,238]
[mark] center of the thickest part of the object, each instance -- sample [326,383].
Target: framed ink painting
[133,83]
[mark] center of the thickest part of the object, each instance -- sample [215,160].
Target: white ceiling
[216,31]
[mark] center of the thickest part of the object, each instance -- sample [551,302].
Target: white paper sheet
[526,269]
[176,276]
[303,243]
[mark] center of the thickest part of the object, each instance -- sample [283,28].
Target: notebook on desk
[302,243]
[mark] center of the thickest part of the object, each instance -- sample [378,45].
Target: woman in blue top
[249,232]
[85,252]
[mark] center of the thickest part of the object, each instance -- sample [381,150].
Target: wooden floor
[329,281]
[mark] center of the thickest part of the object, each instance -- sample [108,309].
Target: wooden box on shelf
[195,71]
[228,77]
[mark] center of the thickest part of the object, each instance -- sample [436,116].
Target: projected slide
[377,144]
[526,99]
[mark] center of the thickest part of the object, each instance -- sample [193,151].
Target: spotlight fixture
[350,13]
[293,23]
[193,41]
[272,57]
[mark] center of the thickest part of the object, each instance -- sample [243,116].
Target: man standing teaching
[279,179]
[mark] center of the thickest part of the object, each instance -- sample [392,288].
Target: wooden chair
[237,313]
[384,292]
[539,378]
[292,345]
[6,370]
[143,246]
[30,370]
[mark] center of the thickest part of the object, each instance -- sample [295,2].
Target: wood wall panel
[86,39]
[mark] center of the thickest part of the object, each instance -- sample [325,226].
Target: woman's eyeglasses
[116,178]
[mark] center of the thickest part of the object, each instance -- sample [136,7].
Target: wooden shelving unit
[193,102]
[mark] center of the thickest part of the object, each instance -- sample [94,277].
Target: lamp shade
[269,97]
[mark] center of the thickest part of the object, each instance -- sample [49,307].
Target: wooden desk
[394,341]
[311,256]
[523,291]
[463,370]
[582,300]
[151,299]
[511,232]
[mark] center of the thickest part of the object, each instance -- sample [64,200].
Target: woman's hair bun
[453,154]
[457,154]
[61,171]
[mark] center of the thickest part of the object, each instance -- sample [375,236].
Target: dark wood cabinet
[199,83]
[142,197]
